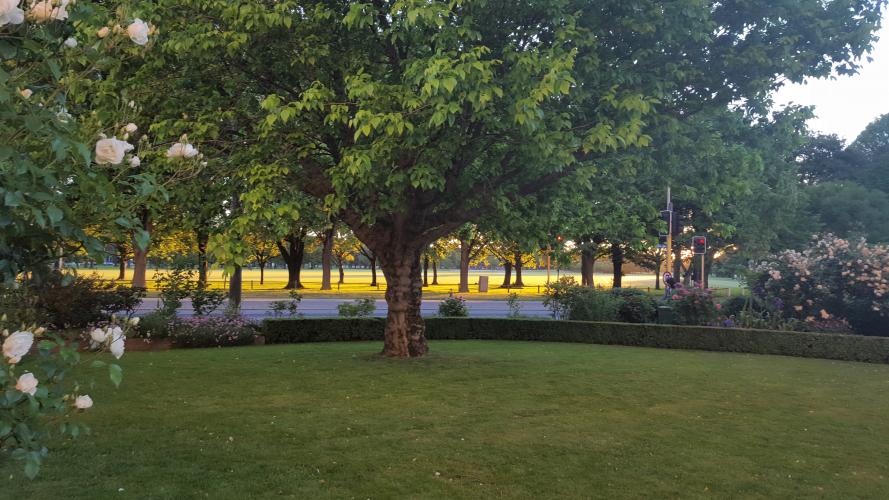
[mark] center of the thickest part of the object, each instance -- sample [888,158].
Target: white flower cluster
[111,336]
[182,149]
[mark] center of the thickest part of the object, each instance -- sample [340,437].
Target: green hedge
[808,345]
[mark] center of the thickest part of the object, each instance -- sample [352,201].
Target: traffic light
[700,245]
[667,216]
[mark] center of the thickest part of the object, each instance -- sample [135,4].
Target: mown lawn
[475,420]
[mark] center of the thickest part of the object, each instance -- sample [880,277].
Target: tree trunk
[465,251]
[657,278]
[326,252]
[517,265]
[425,270]
[587,264]
[373,271]
[617,261]
[293,254]
[405,331]
[507,274]
[434,272]
[262,273]
[140,255]
[122,262]
[339,265]
[203,237]
[234,289]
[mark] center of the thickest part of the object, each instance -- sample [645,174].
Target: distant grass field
[474,420]
[357,282]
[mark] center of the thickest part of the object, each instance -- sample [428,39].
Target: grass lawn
[356,283]
[475,420]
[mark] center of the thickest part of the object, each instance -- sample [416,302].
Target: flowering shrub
[36,382]
[453,307]
[695,306]
[831,279]
[212,331]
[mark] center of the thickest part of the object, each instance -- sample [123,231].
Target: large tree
[410,118]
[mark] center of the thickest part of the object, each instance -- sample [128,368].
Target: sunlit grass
[357,283]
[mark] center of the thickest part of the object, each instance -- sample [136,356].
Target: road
[316,308]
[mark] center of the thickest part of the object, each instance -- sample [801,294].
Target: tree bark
[465,252]
[326,252]
[339,265]
[122,262]
[405,331]
[617,261]
[425,270]
[587,265]
[434,272]
[262,273]
[140,255]
[507,274]
[293,254]
[203,237]
[235,288]
[373,271]
[517,265]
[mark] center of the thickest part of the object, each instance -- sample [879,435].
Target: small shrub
[212,331]
[360,308]
[695,306]
[589,304]
[514,306]
[154,325]
[636,306]
[174,286]
[453,307]
[289,307]
[204,301]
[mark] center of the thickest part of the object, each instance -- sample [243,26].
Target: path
[315,308]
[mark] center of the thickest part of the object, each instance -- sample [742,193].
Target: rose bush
[37,380]
[830,281]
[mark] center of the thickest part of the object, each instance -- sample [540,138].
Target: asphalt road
[315,308]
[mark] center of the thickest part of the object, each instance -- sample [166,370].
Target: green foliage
[801,344]
[207,331]
[636,306]
[360,308]
[567,300]
[453,307]
[180,283]
[154,325]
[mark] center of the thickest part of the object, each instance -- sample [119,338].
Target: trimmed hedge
[800,344]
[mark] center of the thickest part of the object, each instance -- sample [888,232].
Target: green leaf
[115,373]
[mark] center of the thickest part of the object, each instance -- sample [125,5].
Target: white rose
[45,11]
[180,150]
[10,13]
[27,383]
[135,161]
[83,402]
[26,93]
[131,104]
[103,32]
[111,151]
[117,346]
[71,42]
[17,345]
[138,31]
[134,321]
[98,335]
[131,127]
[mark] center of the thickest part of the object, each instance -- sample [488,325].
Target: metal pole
[669,234]
[548,250]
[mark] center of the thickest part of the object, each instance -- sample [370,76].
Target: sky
[845,105]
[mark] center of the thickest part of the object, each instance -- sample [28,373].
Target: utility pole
[669,220]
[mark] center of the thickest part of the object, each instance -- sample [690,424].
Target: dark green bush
[154,325]
[64,301]
[589,304]
[453,307]
[801,344]
[635,306]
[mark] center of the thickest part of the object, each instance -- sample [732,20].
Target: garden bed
[799,344]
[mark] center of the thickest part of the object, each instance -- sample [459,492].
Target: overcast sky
[845,105]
